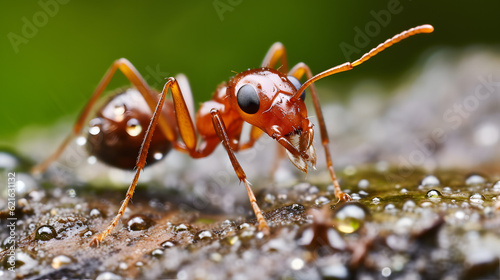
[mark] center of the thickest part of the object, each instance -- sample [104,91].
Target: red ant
[272,101]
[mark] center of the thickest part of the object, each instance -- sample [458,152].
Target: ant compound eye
[296,83]
[248,99]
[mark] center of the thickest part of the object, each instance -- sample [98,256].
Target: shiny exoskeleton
[271,100]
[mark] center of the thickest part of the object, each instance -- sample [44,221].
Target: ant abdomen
[116,133]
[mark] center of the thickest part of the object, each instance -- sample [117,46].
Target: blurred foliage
[53,73]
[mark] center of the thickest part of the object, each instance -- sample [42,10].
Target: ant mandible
[272,101]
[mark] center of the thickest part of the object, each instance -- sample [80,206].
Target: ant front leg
[298,71]
[136,79]
[220,129]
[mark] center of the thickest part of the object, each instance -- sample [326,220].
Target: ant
[271,100]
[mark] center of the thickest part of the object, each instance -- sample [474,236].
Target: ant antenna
[426,28]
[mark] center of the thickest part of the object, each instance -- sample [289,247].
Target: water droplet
[231,240]
[269,198]
[403,190]
[386,271]
[168,244]
[80,141]
[71,193]
[181,228]
[203,235]
[430,180]
[376,200]
[321,201]
[350,170]
[409,205]
[139,222]
[60,261]
[477,198]
[390,208]
[349,217]
[355,196]
[88,233]
[297,264]
[123,266]
[108,276]
[434,195]
[475,180]
[496,187]
[91,160]
[134,128]
[244,226]
[363,184]
[94,213]
[447,190]
[45,233]
[157,253]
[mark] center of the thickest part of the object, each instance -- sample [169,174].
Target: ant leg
[133,76]
[275,53]
[220,128]
[298,71]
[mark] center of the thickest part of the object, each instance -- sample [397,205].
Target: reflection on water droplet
[45,233]
[430,180]
[433,195]
[94,130]
[376,200]
[297,264]
[139,222]
[475,180]
[134,128]
[158,156]
[349,217]
[447,190]
[390,208]
[60,261]
[477,198]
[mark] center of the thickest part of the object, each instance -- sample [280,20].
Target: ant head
[263,98]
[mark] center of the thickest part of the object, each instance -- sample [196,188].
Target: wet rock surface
[440,226]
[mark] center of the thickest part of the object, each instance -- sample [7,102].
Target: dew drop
[434,195]
[168,244]
[475,180]
[94,213]
[181,228]
[108,276]
[496,187]
[447,190]
[390,208]
[60,261]
[477,198]
[157,253]
[430,180]
[349,217]
[363,184]
[45,233]
[80,141]
[203,235]
[376,200]
[139,222]
[409,205]
[94,130]
[269,198]
[321,201]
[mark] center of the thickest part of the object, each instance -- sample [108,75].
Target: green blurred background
[51,75]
